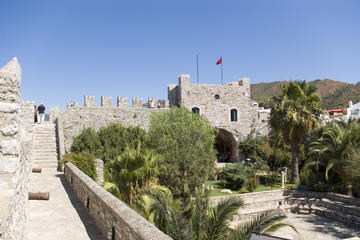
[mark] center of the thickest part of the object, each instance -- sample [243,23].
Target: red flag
[219,61]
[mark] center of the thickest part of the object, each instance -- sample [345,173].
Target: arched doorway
[226,146]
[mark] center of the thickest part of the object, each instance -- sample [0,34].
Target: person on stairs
[41,110]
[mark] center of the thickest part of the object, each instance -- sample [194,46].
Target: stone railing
[113,217]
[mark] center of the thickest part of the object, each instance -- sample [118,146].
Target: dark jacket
[41,109]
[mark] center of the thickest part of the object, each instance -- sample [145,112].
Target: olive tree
[186,143]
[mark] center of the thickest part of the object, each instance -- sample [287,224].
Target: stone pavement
[314,227]
[60,218]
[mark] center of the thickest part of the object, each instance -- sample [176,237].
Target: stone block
[10,130]
[9,147]
[9,164]
[8,107]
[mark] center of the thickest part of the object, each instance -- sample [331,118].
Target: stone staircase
[335,206]
[341,208]
[44,151]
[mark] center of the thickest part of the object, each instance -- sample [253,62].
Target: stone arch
[226,146]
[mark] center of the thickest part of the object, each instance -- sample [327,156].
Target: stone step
[247,214]
[40,157]
[45,158]
[42,150]
[251,214]
[350,220]
[327,203]
[45,165]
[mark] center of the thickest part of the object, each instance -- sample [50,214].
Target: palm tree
[265,222]
[294,116]
[133,170]
[167,215]
[201,221]
[337,148]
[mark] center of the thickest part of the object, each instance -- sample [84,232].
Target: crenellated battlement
[137,102]
[106,101]
[89,101]
[122,101]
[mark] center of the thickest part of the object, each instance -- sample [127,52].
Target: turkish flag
[219,61]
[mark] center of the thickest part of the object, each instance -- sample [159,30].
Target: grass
[217,188]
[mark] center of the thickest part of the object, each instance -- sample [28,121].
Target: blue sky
[71,48]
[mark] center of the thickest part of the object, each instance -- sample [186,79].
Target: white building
[353,111]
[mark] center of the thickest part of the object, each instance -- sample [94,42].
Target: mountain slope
[334,94]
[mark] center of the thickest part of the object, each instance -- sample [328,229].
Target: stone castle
[24,145]
[227,107]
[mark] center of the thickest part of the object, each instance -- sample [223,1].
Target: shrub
[252,184]
[86,141]
[109,142]
[236,175]
[268,180]
[116,137]
[84,161]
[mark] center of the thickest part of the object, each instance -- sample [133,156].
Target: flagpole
[197,67]
[222,83]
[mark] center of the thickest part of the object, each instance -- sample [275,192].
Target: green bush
[109,142]
[84,161]
[236,175]
[268,180]
[116,137]
[86,141]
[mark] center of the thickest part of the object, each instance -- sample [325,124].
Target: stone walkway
[314,227]
[60,218]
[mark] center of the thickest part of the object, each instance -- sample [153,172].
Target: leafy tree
[133,170]
[109,142]
[294,116]
[115,137]
[186,143]
[86,141]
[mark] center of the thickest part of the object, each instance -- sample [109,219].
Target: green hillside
[334,94]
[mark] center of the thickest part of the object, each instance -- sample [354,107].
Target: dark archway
[226,146]
[196,110]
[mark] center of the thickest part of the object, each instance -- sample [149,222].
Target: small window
[233,115]
[217,96]
[196,110]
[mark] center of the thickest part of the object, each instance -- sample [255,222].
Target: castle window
[196,110]
[233,114]
[217,96]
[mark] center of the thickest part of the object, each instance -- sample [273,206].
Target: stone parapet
[16,131]
[113,217]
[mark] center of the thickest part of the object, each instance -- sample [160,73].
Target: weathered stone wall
[16,128]
[75,119]
[110,215]
[216,102]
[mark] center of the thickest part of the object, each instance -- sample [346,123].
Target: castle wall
[114,218]
[16,128]
[216,101]
[75,119]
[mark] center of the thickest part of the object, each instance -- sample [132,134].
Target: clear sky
[71,48]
